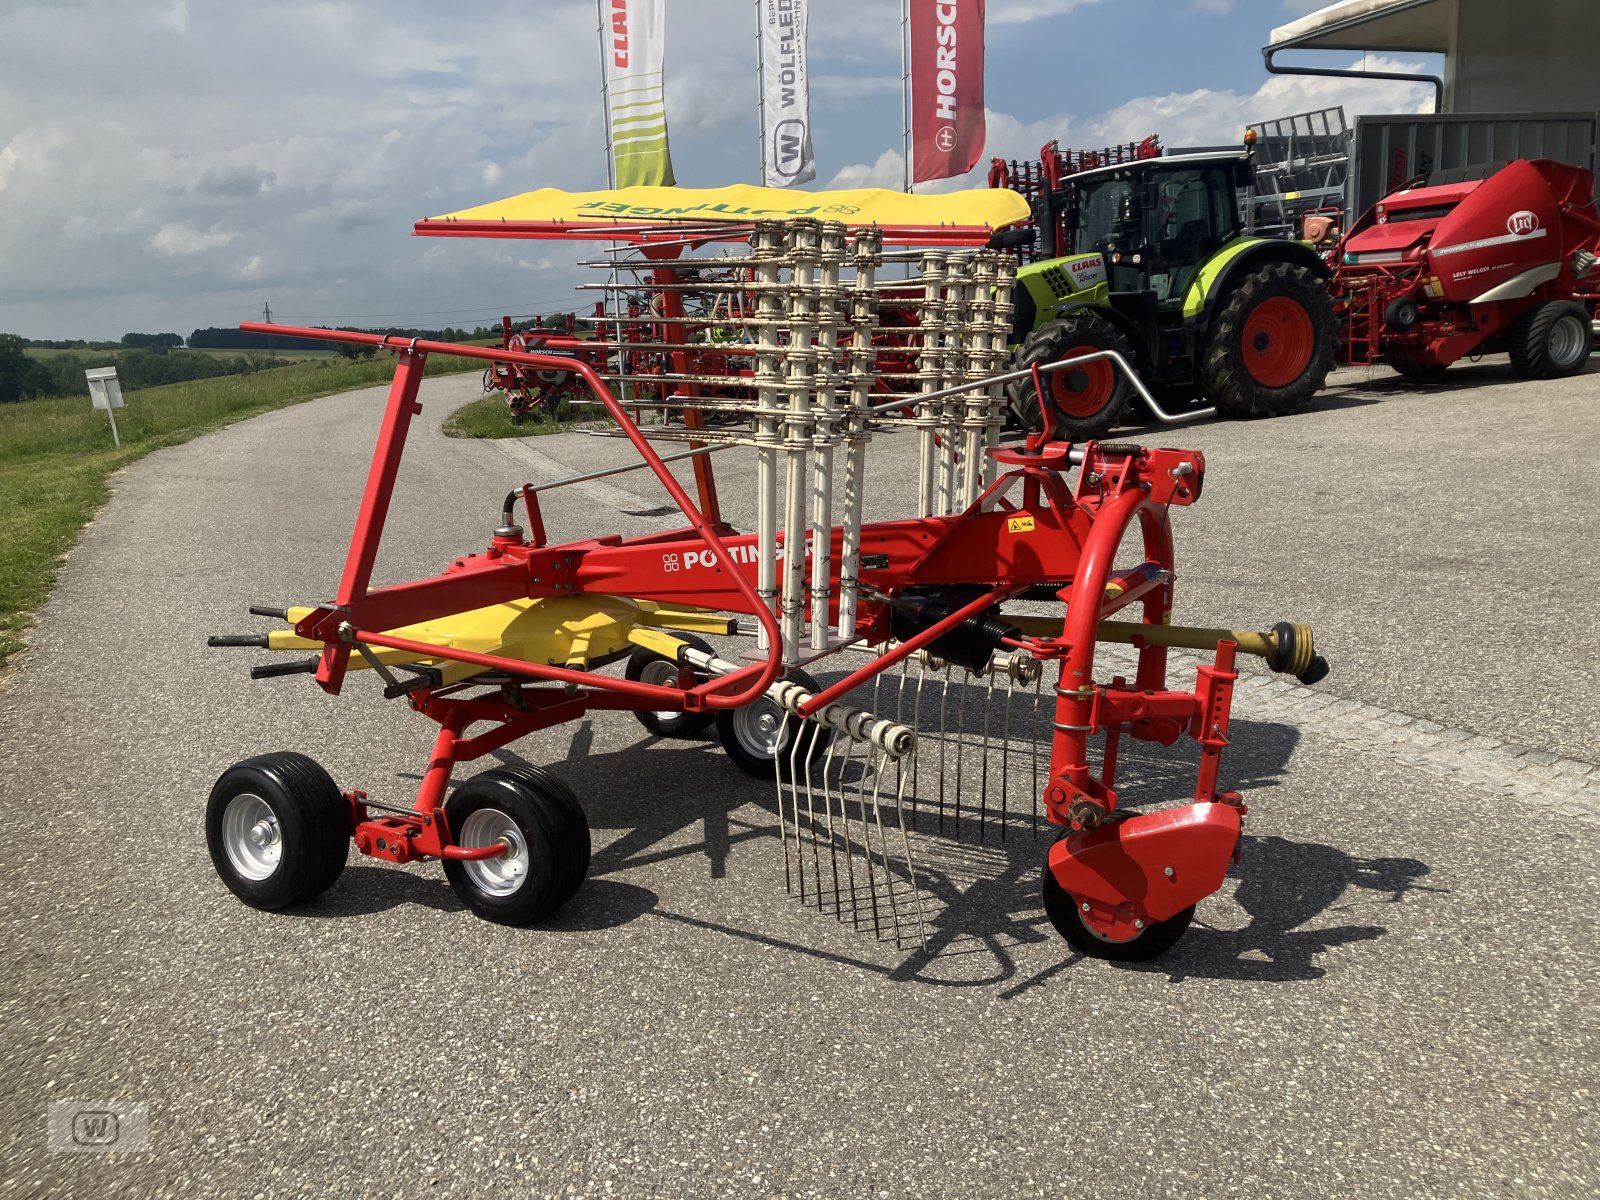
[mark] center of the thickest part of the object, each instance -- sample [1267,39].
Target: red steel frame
[1070,535]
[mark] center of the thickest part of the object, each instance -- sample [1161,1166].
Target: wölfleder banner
[785,100]
[947,129]
[634,92]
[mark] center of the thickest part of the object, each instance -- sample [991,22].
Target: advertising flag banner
[785,100]
[635,49]
[947,130]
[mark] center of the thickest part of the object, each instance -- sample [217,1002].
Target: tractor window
[1107,219]
[1194,216]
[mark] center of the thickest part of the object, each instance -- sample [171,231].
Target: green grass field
[290,350]
[56,455]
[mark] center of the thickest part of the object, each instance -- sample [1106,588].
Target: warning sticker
[1019,524]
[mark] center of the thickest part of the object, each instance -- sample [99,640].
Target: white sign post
[105,392]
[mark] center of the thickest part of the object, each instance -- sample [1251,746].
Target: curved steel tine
[916,722]
[944,704]
[833,856]
[962,696]
[1005,757]
[875,765]
[983,778]
[783,834]
[911,866]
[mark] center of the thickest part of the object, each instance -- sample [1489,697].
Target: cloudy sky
[167,165]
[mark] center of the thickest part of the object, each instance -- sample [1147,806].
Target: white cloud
[887,172]
[1021,12]
[30,150]
[1203,117]
[182,239]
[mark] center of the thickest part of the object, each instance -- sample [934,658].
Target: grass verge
[56,456]
[491,418]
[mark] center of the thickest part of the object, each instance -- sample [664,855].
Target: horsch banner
[785,100]
[947,130]
[635,44]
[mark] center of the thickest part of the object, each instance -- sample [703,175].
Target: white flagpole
[761,94]
[605,88]
[905,93]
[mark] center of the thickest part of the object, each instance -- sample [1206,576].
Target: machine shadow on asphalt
[981,897]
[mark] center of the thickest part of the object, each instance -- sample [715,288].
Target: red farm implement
[1472,261]
[938,623]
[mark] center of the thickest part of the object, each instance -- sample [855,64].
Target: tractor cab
[1155,222]
[1159,252]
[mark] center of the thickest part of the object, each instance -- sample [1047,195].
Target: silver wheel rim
[1568,341]
[505,873]
[251,836]
[663,674]
[758,728]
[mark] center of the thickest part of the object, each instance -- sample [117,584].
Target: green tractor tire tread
[1046,345]
[1224,377]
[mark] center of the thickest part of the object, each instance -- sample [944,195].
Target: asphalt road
[1393,996]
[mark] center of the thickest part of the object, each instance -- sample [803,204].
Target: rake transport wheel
[646,666]
[1271,346]
[1551,341]
[278,830]
[1088,399]
[761,735]
[1157,937]
[547,838]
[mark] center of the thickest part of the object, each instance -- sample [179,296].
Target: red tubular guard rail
[380,485]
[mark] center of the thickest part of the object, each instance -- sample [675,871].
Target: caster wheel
[646,666]
[547,835]
[761,735]
[1064,912]
[278,830]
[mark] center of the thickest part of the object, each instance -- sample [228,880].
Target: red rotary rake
[1009,568]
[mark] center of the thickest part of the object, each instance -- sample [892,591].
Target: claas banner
[947,130]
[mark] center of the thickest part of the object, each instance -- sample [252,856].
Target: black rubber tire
[815,737]
[1530,338]
[1050,343]
[554,832]
[668,724]
[1154,939]
[313,827]
[1418,370]
[1224,375]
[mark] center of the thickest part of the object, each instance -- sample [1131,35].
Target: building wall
[1524,57]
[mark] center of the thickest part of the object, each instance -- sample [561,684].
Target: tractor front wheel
[1271,346]
[1551,341]
[1087,400]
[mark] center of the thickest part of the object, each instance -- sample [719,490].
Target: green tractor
[1165,275]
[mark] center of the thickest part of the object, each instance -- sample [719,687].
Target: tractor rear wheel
[1088,400]
[1550,341]
[1271,346]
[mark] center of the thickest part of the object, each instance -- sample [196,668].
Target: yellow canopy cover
[552,211]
